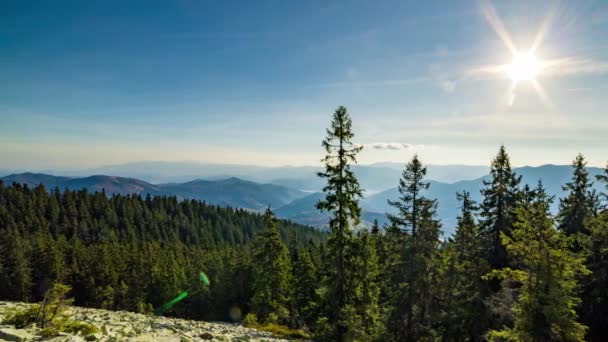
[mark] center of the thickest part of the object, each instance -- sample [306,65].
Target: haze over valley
[292,192]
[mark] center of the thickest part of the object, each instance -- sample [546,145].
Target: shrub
[54,305]
[22,318]
[76,328]
[272,318]
[50,315]
[250,319]
[281,330]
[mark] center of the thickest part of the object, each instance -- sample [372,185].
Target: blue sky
[90,83]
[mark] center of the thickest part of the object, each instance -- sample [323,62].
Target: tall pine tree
[342,194]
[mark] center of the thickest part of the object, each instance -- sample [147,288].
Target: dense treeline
[510,272]
[128,252]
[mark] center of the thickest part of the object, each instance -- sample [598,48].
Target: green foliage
[50,315]
[306,282]
[54,305]
[501,198]
[545,307]
[505,335]
[78,328]
[16,277]
[367,288]
[250,320]
[130,253]
[48,332]
[342,194]
[414,272]
[282,331]
[463,313]
[594,309]
[579,202]
[22,318]
[273,281]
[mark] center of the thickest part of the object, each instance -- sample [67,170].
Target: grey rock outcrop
[129,326]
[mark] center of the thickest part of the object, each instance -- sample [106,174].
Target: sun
[524,67]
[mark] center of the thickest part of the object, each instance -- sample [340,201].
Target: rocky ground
[128,326]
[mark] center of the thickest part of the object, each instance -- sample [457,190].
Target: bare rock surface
[129,326]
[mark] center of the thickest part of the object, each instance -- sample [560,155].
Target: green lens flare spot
[170,303]
[204,279]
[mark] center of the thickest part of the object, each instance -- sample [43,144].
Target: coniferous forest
[511,272]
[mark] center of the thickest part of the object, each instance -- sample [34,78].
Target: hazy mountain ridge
[373,178]
[232,192]
[299,206]
[553,177]
[303,211]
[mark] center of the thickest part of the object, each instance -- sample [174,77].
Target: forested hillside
[129,252]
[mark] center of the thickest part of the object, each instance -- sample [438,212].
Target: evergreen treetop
[579,202]
[411,201]
[501,196]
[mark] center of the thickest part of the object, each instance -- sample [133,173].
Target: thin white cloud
[395,146]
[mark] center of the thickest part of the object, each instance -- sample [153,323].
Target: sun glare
[525,67]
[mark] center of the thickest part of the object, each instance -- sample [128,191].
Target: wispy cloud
[394,146]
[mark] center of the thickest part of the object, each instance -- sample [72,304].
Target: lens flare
[170,303]
[204,278]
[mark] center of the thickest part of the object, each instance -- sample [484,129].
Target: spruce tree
[342,194]
[579,202]
[367,291]
[465,316]
[414,271]
[501,196]
[594,310]
[272,282]
[306,283]
[548,272]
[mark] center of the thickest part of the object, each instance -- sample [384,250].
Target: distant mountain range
[374,178]
[232,192]
[289,200]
